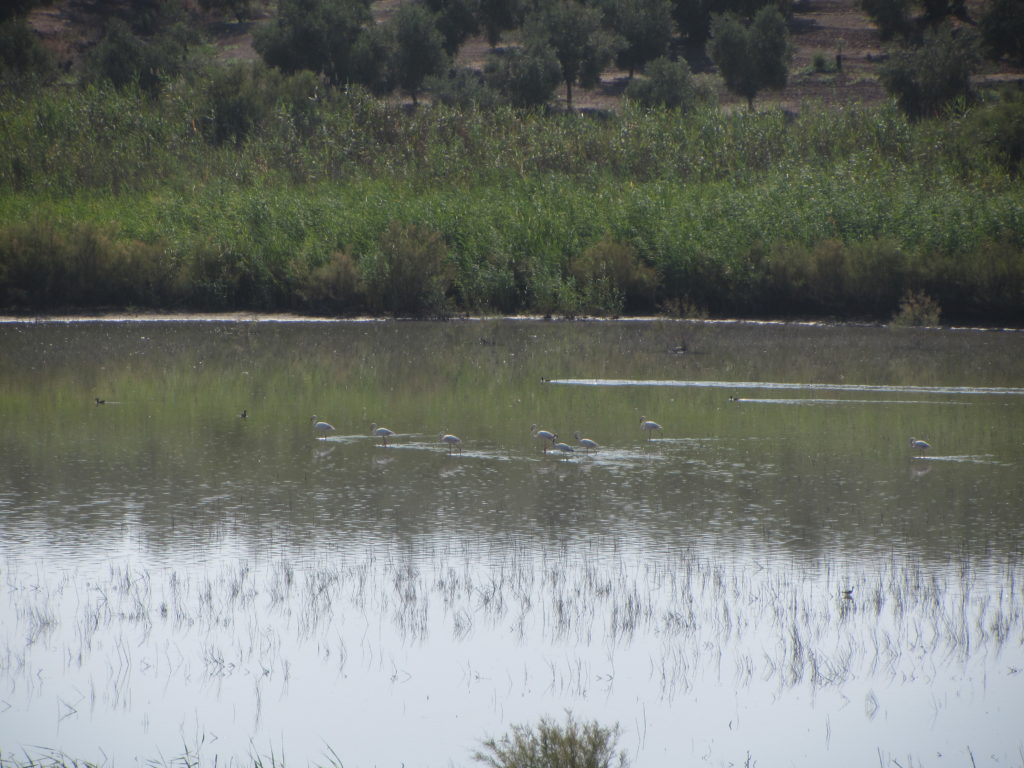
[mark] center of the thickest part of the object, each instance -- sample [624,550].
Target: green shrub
[925,80]
[126,60]
[891,16]
[334,287]
[240,98]
[526,77]
[667,84]
[999,126]
[464,88]
[22,57]
[917,308]
[411,274]
[1002,28]
[550,745]
[612,277]
[43,266]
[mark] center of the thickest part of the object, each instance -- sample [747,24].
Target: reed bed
[833,212]
[785,626]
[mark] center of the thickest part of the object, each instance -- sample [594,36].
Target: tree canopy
[583,46]
[752,57]
[313,35]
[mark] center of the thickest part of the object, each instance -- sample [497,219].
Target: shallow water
[182,581]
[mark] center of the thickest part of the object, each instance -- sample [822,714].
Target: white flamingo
[588,444]
[321,426]
[382,432]
[919,445]
[649,426]
[543,434]
[452,441]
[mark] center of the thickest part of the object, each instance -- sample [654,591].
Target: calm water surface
[182,583]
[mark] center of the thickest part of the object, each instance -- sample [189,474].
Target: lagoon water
[180,583]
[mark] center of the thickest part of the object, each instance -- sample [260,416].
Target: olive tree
[1002,28]
[646,28]
[317,35]
[666,83]
[927,78]
[497,16]
[580,42]
[527,76]
[419,48]
[752,57]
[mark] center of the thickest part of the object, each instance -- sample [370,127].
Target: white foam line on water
[984,459]
[840,401]
[791,386]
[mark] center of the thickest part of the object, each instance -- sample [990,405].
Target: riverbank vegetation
[240,187]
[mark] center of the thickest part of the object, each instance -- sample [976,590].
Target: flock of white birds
[548,439]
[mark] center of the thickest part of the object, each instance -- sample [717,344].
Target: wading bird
[382,432]
[320,426]
[563,447]
[920,446]
[649,426]
[452,441]
[588,444]
[542,434]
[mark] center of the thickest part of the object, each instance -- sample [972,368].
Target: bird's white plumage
[649,427]
[564,448]
[320,426]
[543,434]
[452,441]
[382,432]
[586,442]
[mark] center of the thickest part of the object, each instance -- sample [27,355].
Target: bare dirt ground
[819,28]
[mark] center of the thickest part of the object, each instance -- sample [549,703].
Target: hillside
[819,28]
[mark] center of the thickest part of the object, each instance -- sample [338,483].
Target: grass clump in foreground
[550,745]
